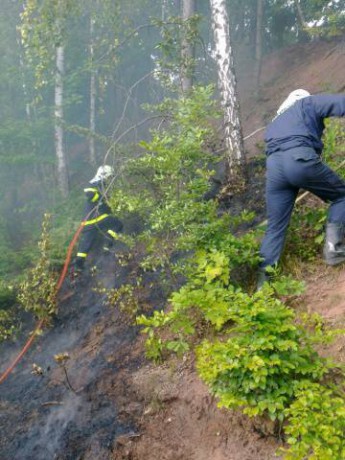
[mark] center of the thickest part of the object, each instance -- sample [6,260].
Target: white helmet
[291,99]
[103,172]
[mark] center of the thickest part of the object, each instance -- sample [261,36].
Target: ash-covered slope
[54,416]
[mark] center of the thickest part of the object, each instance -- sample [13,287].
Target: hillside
[114,404]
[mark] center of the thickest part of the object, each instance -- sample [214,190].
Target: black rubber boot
[263,277]
[108,247]
[79,264]
[77,269]
[334,248]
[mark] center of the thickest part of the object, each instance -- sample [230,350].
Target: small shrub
[7,327]
[8,296]
[306,234]
[125,297]
[257,364]
[8,299]
[316,425]
[37,293]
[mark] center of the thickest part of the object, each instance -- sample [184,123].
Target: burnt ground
[116,405]
[47,416]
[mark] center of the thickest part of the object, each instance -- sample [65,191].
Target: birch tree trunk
[228,88]
[93,95]
[23,75]
[187,50]
[59,132]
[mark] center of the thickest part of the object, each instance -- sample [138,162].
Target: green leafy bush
[305,236]
[258,362]
[204,300]
[37,293]
[8,295]
[7,326]
[8,299]
[316,428]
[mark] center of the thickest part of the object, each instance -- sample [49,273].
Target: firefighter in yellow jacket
[97,216]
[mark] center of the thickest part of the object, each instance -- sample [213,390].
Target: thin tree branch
[117,127]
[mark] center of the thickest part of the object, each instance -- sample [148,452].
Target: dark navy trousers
[89,233]
[288,171]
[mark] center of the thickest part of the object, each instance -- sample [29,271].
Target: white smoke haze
[58,421]
[48,439]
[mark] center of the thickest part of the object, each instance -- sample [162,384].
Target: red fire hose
[38,327]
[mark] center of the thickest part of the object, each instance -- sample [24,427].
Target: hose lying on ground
[39,325]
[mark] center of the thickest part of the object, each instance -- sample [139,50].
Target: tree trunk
[59,132]
[23,75]
[164,10]
[302,24]
[258,42]
[93,95]
[187,51]
[299,13]
[228,88]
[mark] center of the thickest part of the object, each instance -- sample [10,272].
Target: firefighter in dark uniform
[293,150]
[98,218]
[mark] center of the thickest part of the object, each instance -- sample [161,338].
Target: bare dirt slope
[116,405]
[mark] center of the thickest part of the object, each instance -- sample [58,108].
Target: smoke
[49,437]
[58,421]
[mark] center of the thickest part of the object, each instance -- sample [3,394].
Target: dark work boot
[79,264]
[334,248]
[263,277]
[78,268]
[108,247]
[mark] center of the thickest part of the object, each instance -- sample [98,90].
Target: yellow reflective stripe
[95,191]
[113,234]
[95,198]
[81,254]
[94,221]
